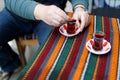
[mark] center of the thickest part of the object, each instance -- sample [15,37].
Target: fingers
[82,19]
[53,15]
[58,20]
[58,16]
[88,21]
[64,16]
[82,24]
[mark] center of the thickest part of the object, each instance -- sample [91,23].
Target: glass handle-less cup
[98,40]
[71,26]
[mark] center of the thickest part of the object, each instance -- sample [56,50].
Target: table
[63,58]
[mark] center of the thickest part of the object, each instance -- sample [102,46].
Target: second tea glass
[98,40]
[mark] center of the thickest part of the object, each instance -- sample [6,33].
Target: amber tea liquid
[71,27]
[98,41]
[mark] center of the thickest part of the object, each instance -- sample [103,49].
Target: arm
[50,14]
[22,8]
[29,9]
[80,13]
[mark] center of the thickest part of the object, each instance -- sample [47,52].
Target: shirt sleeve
[22,8]
[82,2]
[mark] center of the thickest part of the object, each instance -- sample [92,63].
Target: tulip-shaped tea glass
[98,40]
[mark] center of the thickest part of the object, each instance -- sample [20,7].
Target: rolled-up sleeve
[22,8]
[82,2]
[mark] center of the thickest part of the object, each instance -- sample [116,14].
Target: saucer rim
[66,34]
[98,52]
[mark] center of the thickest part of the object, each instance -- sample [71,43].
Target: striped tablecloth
[63,58]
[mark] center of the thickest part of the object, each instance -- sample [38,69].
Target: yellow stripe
[103,24]
[95,72]
[98,59]
[66,60]
[70,14]
[52,58]
[84,55]
[114,58]
[26,74]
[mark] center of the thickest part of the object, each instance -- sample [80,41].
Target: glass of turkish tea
[71,26]
[98,40]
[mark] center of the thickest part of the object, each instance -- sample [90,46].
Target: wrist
[80,7]
[37,11]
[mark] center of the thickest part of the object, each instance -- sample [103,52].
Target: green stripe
[62,59]
[91,67]
[93,58]
[98,23]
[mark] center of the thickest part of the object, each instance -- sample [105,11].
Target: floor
[29,52]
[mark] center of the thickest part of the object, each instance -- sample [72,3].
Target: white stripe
[118,74]
[83,74]
[94,23]
[85,68]
[118,25]
[47,78]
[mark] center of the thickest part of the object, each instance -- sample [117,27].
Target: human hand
[52,15]
[82,18]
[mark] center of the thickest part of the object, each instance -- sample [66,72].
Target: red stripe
[72,58]
[103,58]
[43,55]
[107,26]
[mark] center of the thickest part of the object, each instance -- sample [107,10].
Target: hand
[52,15]
[82,18]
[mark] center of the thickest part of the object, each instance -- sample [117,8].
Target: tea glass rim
[99,32]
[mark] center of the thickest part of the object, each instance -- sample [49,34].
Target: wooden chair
[22,42]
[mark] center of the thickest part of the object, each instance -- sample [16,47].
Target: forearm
[22,8]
